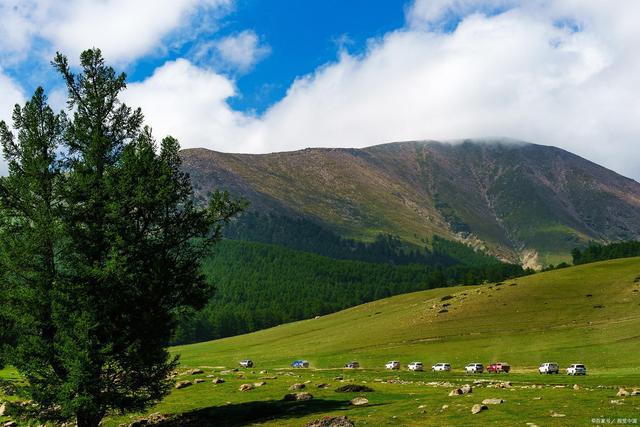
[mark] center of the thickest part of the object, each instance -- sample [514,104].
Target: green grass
[544,317]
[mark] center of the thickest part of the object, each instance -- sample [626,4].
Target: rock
[466,389]
[323,385]
[217,381]
[506,384]
[183,384]
[477,408]
[492,401]
[354,388]
[617,402]
[269,378]
[622,392]
[635,392]
[3,409]
[557,415]
[10,424]
[359,401]
[576,387]
[340,421]
[195,372]
[338,378]
[298,396]
[259,384]
[246,387]
[198,380]
[297,386]
[422,406]
[445,407]
[263,372]
[456,392]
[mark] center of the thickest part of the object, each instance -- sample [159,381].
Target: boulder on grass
[359,401]
[246,387]
[340,421]
[466,389]
[354,388]
[477,408]
[183,384]
[297,396]
[492,401]
[217,380]
[622,392]
[297,386]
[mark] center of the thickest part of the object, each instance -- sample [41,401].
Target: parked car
[394,364]
[474,368]
[415,366]
[352,365]
[246,363]
[549,368]
[441,367]
[300,364]
[577,369]
[498,368]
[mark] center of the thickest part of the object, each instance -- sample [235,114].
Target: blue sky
[276,75]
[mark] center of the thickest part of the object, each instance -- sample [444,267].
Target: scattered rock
[338,378]
[217,381]
[477,408]
[492,401]
[622,392]
[3,408]
[263,372]
[10,424]
[445,407]
[297,396]
[340,421]
[246,387]
[297,386]
[422,406]
[323,385]
[466,389]
[359,401]
[456,392]
[183,384]
[532,425]
[194,372]
[635,392]
[259,384]
[353,388]
[557,415]
[198,380]
[617,402]
[576,387]
[506,384]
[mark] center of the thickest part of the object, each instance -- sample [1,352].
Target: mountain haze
[518,201]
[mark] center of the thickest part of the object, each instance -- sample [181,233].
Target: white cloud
[239,52]
[123,29]
[189,102]
[525,73]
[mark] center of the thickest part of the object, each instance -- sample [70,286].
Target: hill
[519,201]
[589,313]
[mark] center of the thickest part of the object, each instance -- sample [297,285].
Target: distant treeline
[306,235]
[598,252]
[260,285]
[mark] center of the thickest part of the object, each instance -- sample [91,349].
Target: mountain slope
[516,200]
[589,313]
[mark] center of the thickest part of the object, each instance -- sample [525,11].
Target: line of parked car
[471,368]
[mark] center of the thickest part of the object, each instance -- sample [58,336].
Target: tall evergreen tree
[101,248]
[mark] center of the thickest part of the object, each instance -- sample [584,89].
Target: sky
[259,76]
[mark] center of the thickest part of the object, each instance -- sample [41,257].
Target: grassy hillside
[589,313]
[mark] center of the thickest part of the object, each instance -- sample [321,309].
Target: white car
[474,368]
[549,368]
[577,369]
[394,364]
[246,363]
[441,367]
[415,366]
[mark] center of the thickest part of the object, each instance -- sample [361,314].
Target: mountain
[518,201]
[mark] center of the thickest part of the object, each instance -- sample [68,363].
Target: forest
[599,252]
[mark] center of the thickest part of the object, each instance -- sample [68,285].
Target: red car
[499,367]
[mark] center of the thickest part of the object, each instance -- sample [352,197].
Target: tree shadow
[249,412]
